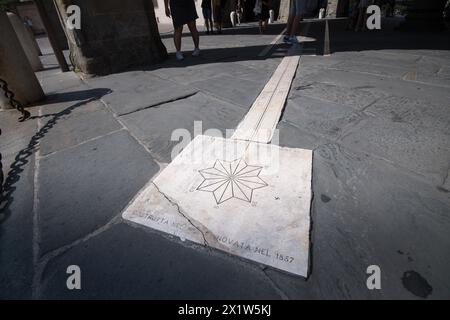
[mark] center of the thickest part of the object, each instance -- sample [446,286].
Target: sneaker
[179,56]
[286,39]
[196,52]
[293,40]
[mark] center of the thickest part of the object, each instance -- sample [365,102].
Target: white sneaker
[196,52]
[179,56]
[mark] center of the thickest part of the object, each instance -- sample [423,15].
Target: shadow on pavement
[21,159]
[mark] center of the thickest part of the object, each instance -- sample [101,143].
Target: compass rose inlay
[231,179]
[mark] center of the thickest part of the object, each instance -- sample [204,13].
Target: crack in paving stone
[172,202]
[41,263]
[161,103]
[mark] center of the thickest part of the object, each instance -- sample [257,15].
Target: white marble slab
[245,198]
[260,122]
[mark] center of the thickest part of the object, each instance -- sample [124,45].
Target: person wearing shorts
[183,12]
[262,9]
[219,5]
[296,12]
[207,15]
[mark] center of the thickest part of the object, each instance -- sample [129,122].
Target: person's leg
[289,23]
[211,25]
[177,37]
[206,16]
[194,32]
[295,24]
[207,26]
[293,10]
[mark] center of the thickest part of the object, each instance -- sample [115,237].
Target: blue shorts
[207,13]
[297,6]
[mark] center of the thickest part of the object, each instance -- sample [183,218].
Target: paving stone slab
[321,118]
[76,124]
[195,73]
[382,84]
[58,82]
[82,188]
[370,68]
[248,199]
[419,113]
[292,136]
[237,91]
[129,263]
[16,232]
[132,91]
[157,127]
[16,219]
[425,151]
[355,98]
[368,212]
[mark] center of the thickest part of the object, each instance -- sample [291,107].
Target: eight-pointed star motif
[235,179]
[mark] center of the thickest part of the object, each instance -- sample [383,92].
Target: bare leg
[295,24]
[289,24]
[211,25]
[177,37]
[194,33]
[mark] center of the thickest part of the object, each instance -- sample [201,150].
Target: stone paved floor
[376,115]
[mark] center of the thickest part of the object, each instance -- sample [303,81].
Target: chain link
[13,102]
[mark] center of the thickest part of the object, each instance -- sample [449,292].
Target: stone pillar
[332,8]
[283,14]
[115,35]
[36,45]
[424,15]
[55,22]
[26,41]
[15,67]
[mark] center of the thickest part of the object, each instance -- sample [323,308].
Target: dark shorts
[183,11]
[206,13]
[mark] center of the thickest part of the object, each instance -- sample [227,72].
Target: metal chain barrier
[13,102]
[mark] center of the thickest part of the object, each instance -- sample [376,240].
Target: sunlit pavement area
[375,112]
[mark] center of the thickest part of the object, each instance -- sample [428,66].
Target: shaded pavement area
[375,112]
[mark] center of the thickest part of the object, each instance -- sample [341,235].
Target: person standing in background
[207,15]
[296,12]
[262,8]
[239,12]
[219,4]
[183,12]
